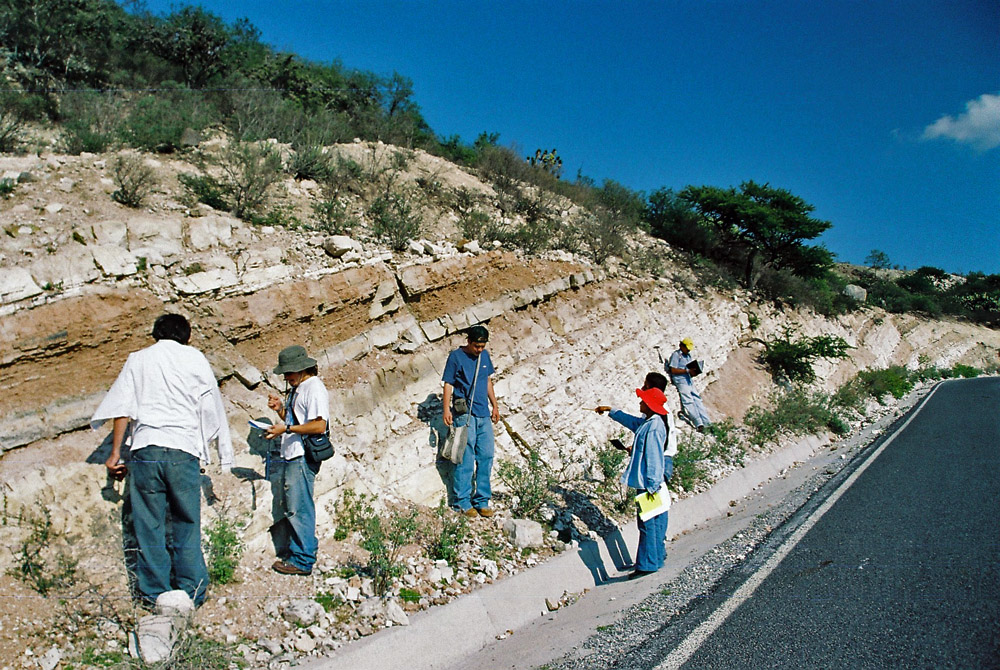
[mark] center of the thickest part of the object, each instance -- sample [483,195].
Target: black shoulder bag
[318,446]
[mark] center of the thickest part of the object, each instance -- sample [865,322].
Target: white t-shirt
[169,392]
[310,401]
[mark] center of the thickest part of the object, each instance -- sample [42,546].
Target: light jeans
[652,550]
[476,465]
[165,493]
[690,400]
[293,510]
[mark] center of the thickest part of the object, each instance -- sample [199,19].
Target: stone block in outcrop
[204,282]
[72,266]
[17,284]
[395,614]
[472,247]
[524,533]
[157,634]
[175,604]
[110,232]
[114,261]
[433,330]
[54,208]
[209,231]
[159,240]
[190,138]
[337,246]
[66,184]
[386,300]
[856,292]
[302,611]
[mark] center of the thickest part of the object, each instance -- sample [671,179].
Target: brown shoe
[289,569]
[471,512]
[485,511]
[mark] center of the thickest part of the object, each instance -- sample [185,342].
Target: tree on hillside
[616,213]
[673,219]
[768,225]
[878,260]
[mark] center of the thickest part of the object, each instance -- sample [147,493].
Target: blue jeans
[476,465]
[690,400]
[165,492]
[293,510]
[652,550]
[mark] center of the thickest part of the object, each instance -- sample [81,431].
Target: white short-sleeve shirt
[311,401]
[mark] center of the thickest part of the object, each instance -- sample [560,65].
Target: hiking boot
[289,569]
[471,512]
[485,511]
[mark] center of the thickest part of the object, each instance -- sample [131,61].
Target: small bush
[966,371]
[449,535]
[134,179]
[248,172]
[43,559]
[309,162]
[688,468]
[224,547]
[12,123]
[393,220]
[333,217]
[383,539]
[205,189]
[794,412]
[7,188]
[895,381]
[793,360]
[530,487]
[610,460]
[91,121]
[350,512]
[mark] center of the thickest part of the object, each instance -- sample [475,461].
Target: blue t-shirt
[460,370]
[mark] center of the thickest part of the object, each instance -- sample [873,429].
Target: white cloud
[978,126]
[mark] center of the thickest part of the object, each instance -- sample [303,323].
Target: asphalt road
[895,564]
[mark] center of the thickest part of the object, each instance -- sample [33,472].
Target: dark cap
[478,334]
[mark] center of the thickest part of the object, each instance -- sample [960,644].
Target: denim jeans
[691,401]
[293,510]
[652,550]
[165,493]
[472,475]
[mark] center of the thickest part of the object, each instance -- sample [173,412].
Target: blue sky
[884,115]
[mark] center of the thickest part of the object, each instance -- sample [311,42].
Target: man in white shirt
[167,398]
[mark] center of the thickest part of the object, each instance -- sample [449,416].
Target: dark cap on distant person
[478,334]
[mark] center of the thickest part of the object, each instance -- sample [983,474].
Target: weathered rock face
[565,336]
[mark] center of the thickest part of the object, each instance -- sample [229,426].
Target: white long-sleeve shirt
[170,394]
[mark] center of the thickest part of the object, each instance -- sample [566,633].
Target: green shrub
[610,460]
[793,412]
[91,121]
[350,512]
[248,172]
[43,559]
[7,188]
[894,380]
[333,217]
[793,359]
[384,539]
[393,220]
[206,189]
[447,538]
[530,487]
[309,162]
[134,179]
[966,371]
[157,122]
[223,548]
[689,470]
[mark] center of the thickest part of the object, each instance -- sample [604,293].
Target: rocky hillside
[83,278]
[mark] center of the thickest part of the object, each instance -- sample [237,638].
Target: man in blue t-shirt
[469,401]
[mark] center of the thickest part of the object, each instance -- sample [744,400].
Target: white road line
[686,649]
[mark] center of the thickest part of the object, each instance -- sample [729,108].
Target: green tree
[770,225]
[194,41]
[878,260]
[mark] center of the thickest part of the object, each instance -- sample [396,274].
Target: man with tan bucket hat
[305,411]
